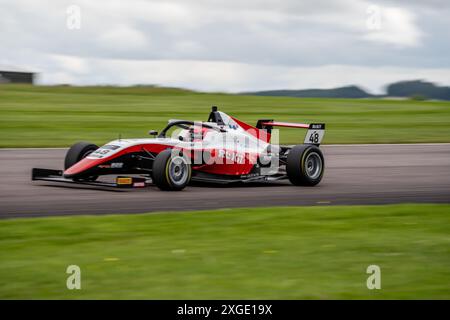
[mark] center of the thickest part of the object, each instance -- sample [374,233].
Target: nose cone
[81,166]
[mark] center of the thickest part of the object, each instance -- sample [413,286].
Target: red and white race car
[221,150]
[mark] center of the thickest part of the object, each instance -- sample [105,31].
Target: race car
[222,149]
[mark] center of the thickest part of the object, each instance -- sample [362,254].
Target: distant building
[14,75]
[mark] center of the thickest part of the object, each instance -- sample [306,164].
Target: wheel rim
[313,164]
[178,170]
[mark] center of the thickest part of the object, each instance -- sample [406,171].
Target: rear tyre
[171,173]
[77,152]
[305,165]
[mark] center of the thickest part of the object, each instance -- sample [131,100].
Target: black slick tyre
[305,165]
[171,172]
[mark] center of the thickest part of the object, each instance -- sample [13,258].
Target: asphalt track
[355,174]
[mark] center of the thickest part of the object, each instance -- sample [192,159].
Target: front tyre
[305,165]
[76,153]
[171,172]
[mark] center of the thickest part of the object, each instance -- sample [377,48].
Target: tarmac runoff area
[354,174]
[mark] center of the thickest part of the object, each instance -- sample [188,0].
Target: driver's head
[199,132]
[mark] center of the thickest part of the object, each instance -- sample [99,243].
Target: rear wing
[315,133]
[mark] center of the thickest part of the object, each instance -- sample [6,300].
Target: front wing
[51,175]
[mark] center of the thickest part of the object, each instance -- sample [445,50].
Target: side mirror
[153,132]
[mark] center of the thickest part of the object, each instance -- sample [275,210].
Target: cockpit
[185,130]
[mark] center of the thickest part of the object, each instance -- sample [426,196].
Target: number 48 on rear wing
[315,133]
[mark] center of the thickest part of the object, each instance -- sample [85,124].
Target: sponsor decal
[110,147]
[320,126]
[233,156]
[139,184]
[250,175]
[114,165]
[124,180]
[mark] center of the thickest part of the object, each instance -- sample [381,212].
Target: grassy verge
[59,116]
[291,253]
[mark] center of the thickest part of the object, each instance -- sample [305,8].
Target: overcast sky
[228,45]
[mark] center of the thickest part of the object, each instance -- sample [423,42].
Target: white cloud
[71,64]
[124,38]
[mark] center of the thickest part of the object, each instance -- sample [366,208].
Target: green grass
[290,253]
[42,116]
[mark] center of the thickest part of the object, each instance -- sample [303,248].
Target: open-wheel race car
[222,149]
